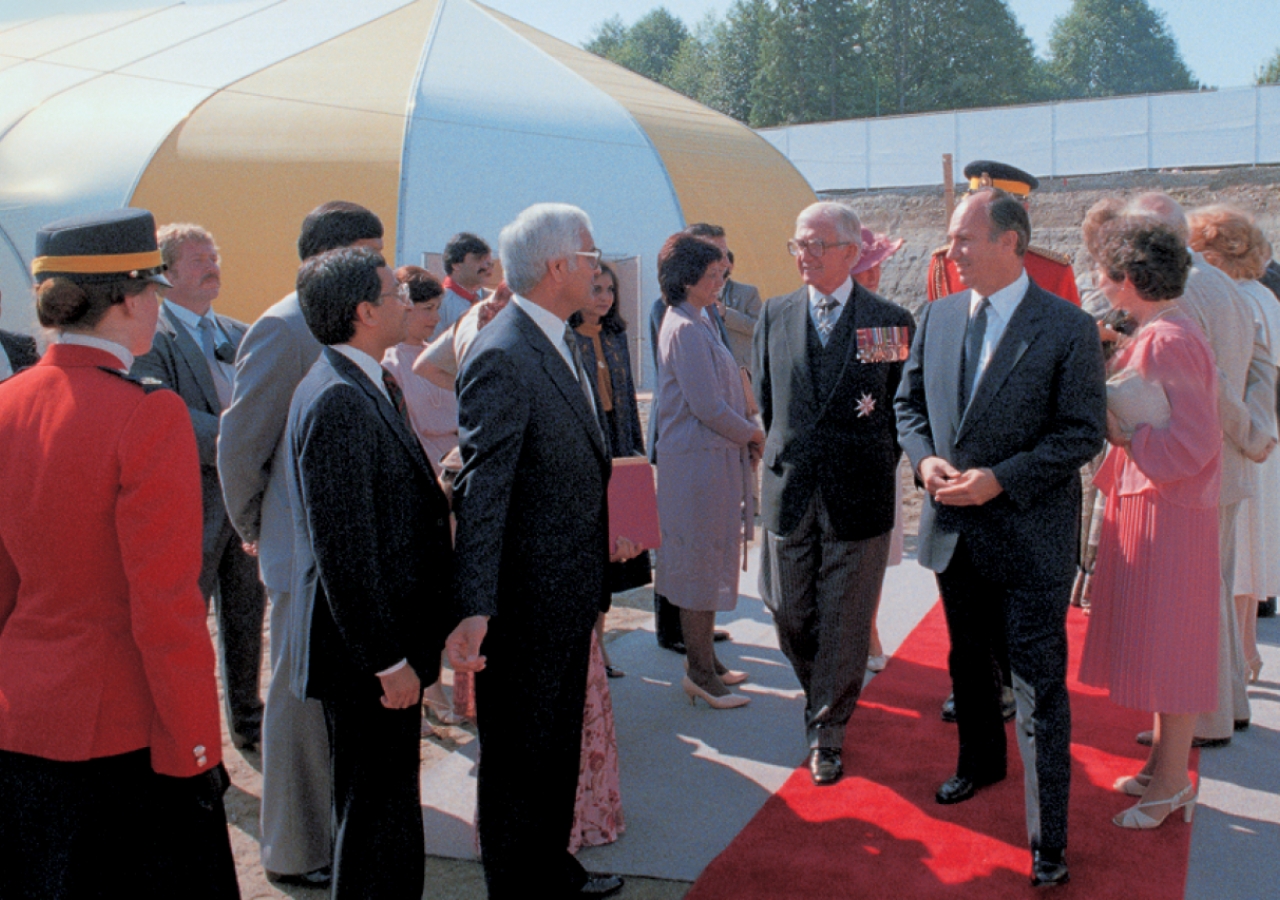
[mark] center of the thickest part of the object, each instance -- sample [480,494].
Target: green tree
[808,67]
[648,47]
[1101,48]
[1270,72]
[733,57]
[949,54]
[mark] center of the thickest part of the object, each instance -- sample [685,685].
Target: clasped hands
[950,487]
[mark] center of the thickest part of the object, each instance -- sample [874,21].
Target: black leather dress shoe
[600,886]
[673,646]
[958,788]
[949,708]
[1240,725]
[1048,868]
[316,878]
[1267,608]
[719,636]
[825,766]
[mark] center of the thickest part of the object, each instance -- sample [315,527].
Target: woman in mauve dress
[705,466]
[1152,638]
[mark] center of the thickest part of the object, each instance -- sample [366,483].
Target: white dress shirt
[1003,303]
[841,295]
[191,322]
[88,340]
[552,326]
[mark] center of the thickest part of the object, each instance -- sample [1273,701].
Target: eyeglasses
[595,255]
[814,248]
[401,294]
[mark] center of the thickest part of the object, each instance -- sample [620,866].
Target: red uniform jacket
[104,647]
[1049,270]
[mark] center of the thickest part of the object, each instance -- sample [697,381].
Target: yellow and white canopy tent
[439,115]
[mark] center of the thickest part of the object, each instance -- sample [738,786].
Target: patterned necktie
[575,353]
[208,343]
[826,321]
[973,337]
[397,397]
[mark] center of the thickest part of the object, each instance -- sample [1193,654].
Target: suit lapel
[353,374]
[568,386]
[1017,337]
[192,354]
[947,322]
[795,323]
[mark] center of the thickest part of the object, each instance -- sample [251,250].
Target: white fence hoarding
[1083,137]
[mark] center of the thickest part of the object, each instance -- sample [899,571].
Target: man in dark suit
[192,354]
[1001,403]
[372,574]
[828,359]
[532,544]
[274,356]
[17,351]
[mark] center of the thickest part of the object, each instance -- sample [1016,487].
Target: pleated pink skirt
[1153,628]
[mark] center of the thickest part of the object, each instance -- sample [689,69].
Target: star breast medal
[866,405]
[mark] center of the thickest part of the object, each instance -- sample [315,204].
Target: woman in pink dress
[1152,638]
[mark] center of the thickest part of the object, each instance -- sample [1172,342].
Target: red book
[633,503]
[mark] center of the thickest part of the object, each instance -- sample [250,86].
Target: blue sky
[1224,41]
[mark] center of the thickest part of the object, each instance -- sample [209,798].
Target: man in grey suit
[192,355]
[828,359]
[1246,409]
[1001,403]
[739,307]
[531,548]
[273,358]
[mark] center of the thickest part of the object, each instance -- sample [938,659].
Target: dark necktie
[397,397]
[973,337]
[580,372]
[211,343]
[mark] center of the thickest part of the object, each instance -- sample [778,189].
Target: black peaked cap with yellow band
[1011,179]
[100,247]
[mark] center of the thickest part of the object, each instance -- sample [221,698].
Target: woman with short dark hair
[708,447]
[1152,638]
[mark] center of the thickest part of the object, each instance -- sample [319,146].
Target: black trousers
[529,705]
[230,577]
[379,846]
[1033,622]
[100,827]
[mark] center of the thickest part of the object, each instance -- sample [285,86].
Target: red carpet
[879,833]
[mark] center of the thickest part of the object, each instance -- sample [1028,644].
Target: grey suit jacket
[1037,415]
[178,362]
[1246,377]
[274,356]
[20,348]
[741,310]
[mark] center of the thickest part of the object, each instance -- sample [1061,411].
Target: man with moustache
[371,577]
[468,264]
[192,354]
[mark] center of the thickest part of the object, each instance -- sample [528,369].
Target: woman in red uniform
[110,753]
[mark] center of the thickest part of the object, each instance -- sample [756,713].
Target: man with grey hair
[828,359]
[1246,409]
[532,542]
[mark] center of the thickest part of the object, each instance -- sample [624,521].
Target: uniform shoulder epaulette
[1060,258]
[147,383]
